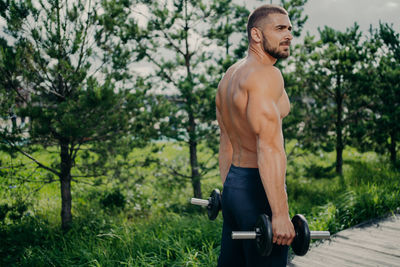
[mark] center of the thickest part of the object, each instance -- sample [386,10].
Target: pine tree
[72,62]
[326,72]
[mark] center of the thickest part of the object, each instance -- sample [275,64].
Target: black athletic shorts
[243,200]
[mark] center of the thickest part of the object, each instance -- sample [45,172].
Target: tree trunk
[393,156]
[192,125]
[227,39]
[339,128]
[65,181]
[339,155]
[193,158]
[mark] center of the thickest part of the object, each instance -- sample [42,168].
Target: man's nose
[289,36]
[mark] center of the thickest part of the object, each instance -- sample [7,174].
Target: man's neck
[256,52]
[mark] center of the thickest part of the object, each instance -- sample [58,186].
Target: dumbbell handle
[320,234]
[253,235]
[199,202]
[244,235]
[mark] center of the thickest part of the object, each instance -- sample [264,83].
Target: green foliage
[295,9]
[379,80]
[189,73]
[113,199]
[14,212]
[367,190]
[172,232]
[67,72]
[317,171]
[164,240]
[344,91]
[16,193]
[331,82]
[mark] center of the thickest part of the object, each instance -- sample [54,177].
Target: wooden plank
[363,255]
[370,246]
[386,242]
[382,230]
[375,243]
[391,228]
[322,259]
[328,257]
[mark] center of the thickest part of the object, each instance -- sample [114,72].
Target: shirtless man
[251,103]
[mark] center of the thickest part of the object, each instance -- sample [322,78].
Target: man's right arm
[264,118]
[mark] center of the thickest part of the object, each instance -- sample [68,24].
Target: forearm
[272,168]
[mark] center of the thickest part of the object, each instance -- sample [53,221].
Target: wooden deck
[374,243]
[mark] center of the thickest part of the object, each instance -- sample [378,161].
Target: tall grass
[368,188]
[166,239]
[124,223]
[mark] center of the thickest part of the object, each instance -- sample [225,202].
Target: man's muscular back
[251,102]
[244,82]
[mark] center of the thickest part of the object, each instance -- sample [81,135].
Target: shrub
[113,199]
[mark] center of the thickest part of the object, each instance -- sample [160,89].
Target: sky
[341,14]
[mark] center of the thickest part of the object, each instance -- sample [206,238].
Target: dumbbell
[263,235]
[213,204]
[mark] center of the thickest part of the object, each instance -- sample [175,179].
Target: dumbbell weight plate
[214,204]
[301,242]
[263,230]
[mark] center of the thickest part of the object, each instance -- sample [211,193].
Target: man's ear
[256,35]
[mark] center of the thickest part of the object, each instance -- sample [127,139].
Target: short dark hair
[260,14]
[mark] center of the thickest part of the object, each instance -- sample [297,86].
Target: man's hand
[282,230]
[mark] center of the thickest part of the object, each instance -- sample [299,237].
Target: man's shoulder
[264,77]
[268,72]
[233,68]
[229,72]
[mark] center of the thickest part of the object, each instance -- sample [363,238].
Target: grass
[167,240]
[157,227]
[368,188]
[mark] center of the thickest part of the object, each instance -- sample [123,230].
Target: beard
[274,51]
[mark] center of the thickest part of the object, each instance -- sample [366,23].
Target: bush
[317,171]
[113,199]
[371,190]
[4,208]
[13,212]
